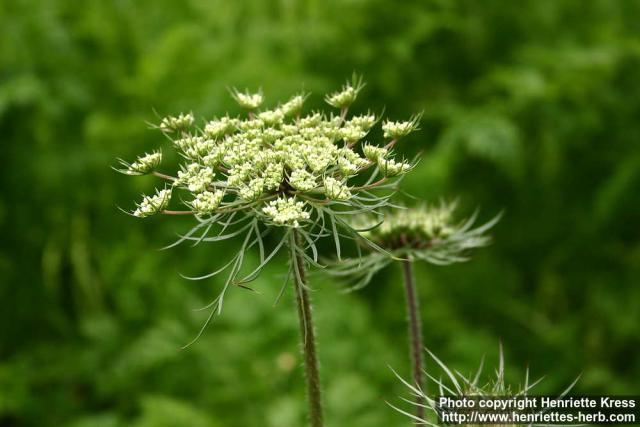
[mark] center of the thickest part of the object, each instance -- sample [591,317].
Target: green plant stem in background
[415,333]
[307,334]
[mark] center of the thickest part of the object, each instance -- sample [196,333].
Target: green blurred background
[530,107]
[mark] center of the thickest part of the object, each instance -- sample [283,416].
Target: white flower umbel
[278,154]
[273,175]
[195,177]
[220,127]
[347,95]
[349,162]
[293,106]
[143,165]
[395,130]
[364,122]
[252,190]
[374,153]
[172,124]
[336,190]
[195,147]
[303,180]
[390,167]
[271,117]
[286,211]
[152,205]
[207,202]
[274,170]
[247,100]
[352,134]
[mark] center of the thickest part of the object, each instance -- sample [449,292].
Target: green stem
[307,332]
[415,333]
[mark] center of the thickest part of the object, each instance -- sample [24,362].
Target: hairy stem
[415,333]
[307,333]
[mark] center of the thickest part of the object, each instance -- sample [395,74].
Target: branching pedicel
[276,169]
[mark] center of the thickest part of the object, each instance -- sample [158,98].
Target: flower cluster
[429,233]
[395,130]
[174,124]
[274,163]
[248,100]
[347,95]
[151,205]
[286,211]
[143,165]
[335,189]
[207,202]
[420,227]
[391,167]
[195,177]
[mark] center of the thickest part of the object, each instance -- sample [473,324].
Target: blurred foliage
[531,107]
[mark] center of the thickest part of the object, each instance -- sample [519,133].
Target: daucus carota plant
[276,171]
[428,233]
[456,384]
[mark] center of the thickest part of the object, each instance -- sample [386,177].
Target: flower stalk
[415,334]
[307,333]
